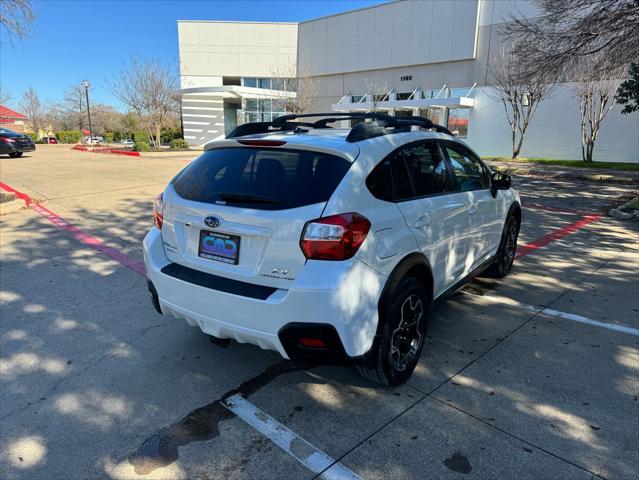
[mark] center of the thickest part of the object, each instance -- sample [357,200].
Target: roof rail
[380,124]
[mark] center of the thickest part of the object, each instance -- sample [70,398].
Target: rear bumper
[338,296]
[6,148]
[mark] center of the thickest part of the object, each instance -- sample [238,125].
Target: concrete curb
[563,175]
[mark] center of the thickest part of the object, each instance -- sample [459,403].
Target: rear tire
[397,349]
[507,250]
[15,154]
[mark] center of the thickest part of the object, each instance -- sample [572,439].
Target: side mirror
[500,181]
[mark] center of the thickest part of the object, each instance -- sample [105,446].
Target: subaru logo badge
[212,222]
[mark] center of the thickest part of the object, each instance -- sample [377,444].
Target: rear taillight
[7,140]
[158,211]
[337,237]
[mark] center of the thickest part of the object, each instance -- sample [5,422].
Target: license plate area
[219,247]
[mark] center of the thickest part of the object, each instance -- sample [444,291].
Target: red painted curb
[78,234]
[22,196]
[114,151]
[556,235]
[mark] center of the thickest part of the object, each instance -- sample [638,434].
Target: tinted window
[468,171]
[419,171]
[380,183]
[269,179]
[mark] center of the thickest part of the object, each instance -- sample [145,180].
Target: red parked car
[51,140]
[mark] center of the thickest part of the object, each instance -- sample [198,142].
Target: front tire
[396,351]
[507,249]
[15,154]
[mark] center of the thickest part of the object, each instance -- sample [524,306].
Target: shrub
[169,134]
[33,136]
[141,146]
[109,136]
[142,137]
[68,136]
[179,143]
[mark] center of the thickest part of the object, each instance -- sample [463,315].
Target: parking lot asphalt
[532,376]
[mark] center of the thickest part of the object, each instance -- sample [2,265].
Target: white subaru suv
[329,245]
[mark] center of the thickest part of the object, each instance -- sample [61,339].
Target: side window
[468,171]
[419,171]
[380,182]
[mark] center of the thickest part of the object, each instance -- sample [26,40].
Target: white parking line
[556,313]
[305,453]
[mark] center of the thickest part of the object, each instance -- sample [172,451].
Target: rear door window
[267,178]
[419,171]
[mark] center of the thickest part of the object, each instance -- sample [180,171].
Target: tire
[507,250]
[397,349]
[15,154]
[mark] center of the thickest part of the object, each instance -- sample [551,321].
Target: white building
[231,71]
[427,57]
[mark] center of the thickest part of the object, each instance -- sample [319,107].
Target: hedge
[68,136]
[179,143]
[141,146]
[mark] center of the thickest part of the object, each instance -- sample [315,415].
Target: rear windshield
[261,178]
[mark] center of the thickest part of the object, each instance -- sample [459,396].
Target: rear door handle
[472,209]
[422,221]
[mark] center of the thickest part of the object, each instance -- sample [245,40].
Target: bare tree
[595,89]
[520,93]
[295,91]
[146,88]
[74,105]
[16,17]
[378,92]
[571,29]
[32,109]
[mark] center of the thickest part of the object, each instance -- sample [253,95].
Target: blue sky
[74,40]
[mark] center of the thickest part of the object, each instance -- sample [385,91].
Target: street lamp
[86,85]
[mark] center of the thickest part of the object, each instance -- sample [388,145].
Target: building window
[250,104]
[249,82]
[380,97]
[458,121]
[264,83]
[435,115]
[283,84]
[459,92]
[358,98]
[403,96]
[262,109]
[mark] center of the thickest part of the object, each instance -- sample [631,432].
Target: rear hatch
[239,212]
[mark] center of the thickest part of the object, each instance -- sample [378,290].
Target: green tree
[628,91]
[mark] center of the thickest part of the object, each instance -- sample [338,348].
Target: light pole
[85,84]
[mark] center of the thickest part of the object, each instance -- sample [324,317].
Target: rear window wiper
[245,198]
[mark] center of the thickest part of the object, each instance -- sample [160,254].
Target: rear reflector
[262,143]
[337,237]
[312,342]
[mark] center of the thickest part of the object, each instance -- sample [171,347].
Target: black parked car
[14,144]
